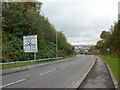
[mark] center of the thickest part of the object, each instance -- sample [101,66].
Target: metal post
[34,55]
[56,45]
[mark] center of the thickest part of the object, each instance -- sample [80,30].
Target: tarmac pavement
[99,77]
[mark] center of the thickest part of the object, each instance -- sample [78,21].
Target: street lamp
[57,43]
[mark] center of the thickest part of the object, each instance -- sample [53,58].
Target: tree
[111,40]
[104,35]
[23,18]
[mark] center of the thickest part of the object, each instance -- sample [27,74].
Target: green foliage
[105,34]
[91,48]
[113,64]
[30,63]
[23,18]
[111,40]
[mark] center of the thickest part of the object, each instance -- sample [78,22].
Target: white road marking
[13,83]
[47,72]
[28,66]
[17,68]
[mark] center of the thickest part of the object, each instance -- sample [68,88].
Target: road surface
[58,75]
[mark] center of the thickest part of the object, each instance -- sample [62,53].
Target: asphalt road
[58,75]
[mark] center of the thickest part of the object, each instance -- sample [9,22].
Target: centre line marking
[47,72]
[13,83]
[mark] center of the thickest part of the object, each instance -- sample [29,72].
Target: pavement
[65,74]
[99,77]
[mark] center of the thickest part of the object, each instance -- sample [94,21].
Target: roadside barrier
[46,59]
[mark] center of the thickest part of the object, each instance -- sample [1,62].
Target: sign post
[108,50]
[30,44]
[34,55]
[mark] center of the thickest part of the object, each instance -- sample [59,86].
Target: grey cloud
[82,21]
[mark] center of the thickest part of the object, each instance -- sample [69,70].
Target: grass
[113,64]
[29,63]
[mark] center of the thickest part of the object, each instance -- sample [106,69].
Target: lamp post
[57,43]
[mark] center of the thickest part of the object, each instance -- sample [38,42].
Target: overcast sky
[81,20]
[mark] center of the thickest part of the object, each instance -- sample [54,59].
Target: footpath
[99,77]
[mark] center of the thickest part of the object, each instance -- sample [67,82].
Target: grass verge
[30,63]
[113,64]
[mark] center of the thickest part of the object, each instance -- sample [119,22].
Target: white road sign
[30,43]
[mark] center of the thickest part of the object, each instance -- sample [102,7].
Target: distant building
[83,48]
